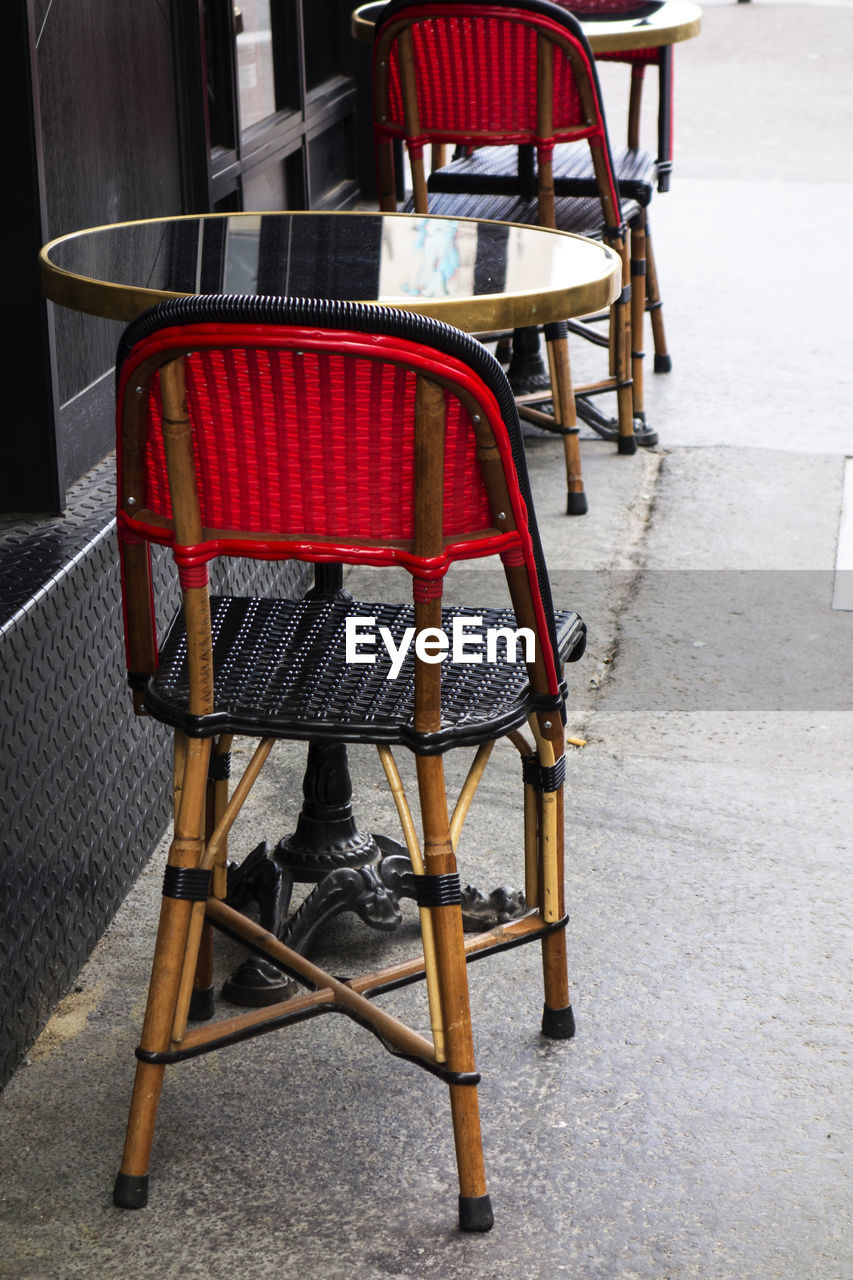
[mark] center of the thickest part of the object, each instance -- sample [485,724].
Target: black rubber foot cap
[627,444]
[663,364]
[201,1005]
[558,1024]
[131,1192]
[576,504]
[475,1213]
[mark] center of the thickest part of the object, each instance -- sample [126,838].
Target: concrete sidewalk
[699,1125]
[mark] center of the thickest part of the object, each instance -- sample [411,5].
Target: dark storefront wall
[105,160]
[121,106]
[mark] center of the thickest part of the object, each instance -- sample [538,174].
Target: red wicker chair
[270,429]
[482,75]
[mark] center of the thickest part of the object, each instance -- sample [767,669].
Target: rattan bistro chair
[508,170]
[478,75]
[268,428]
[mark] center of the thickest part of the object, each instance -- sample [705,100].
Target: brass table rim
[676,21]
[113,301]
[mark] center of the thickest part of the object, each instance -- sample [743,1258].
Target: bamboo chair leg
[131,1185]
[475,1210]
[437,156]
[200,1005]
[635,105]
[564,412]
[638,311]
[385,177]
[532,876]
[654,306]
[179,761]
[620,355]
[201,1001]
[475,1206]
[558,1021]
[398,794]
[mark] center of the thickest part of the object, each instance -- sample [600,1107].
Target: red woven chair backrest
[302,438]
[306,440]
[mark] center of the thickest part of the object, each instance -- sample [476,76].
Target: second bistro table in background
[674,21]
[478,276]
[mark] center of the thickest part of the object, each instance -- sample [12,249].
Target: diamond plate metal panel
[85,792]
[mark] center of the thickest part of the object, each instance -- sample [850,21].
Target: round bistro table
[474,274]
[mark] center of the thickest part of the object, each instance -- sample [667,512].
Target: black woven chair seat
[264,650]
[581,216]
[495,171]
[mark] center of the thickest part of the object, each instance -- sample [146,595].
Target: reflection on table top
[476,275]
[674,21]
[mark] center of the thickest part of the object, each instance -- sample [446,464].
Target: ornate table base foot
[371,890]
[261,880]
[373,893]
[258,983]
[351,871]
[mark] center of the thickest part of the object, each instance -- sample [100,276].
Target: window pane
[329,46]
[255,62]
